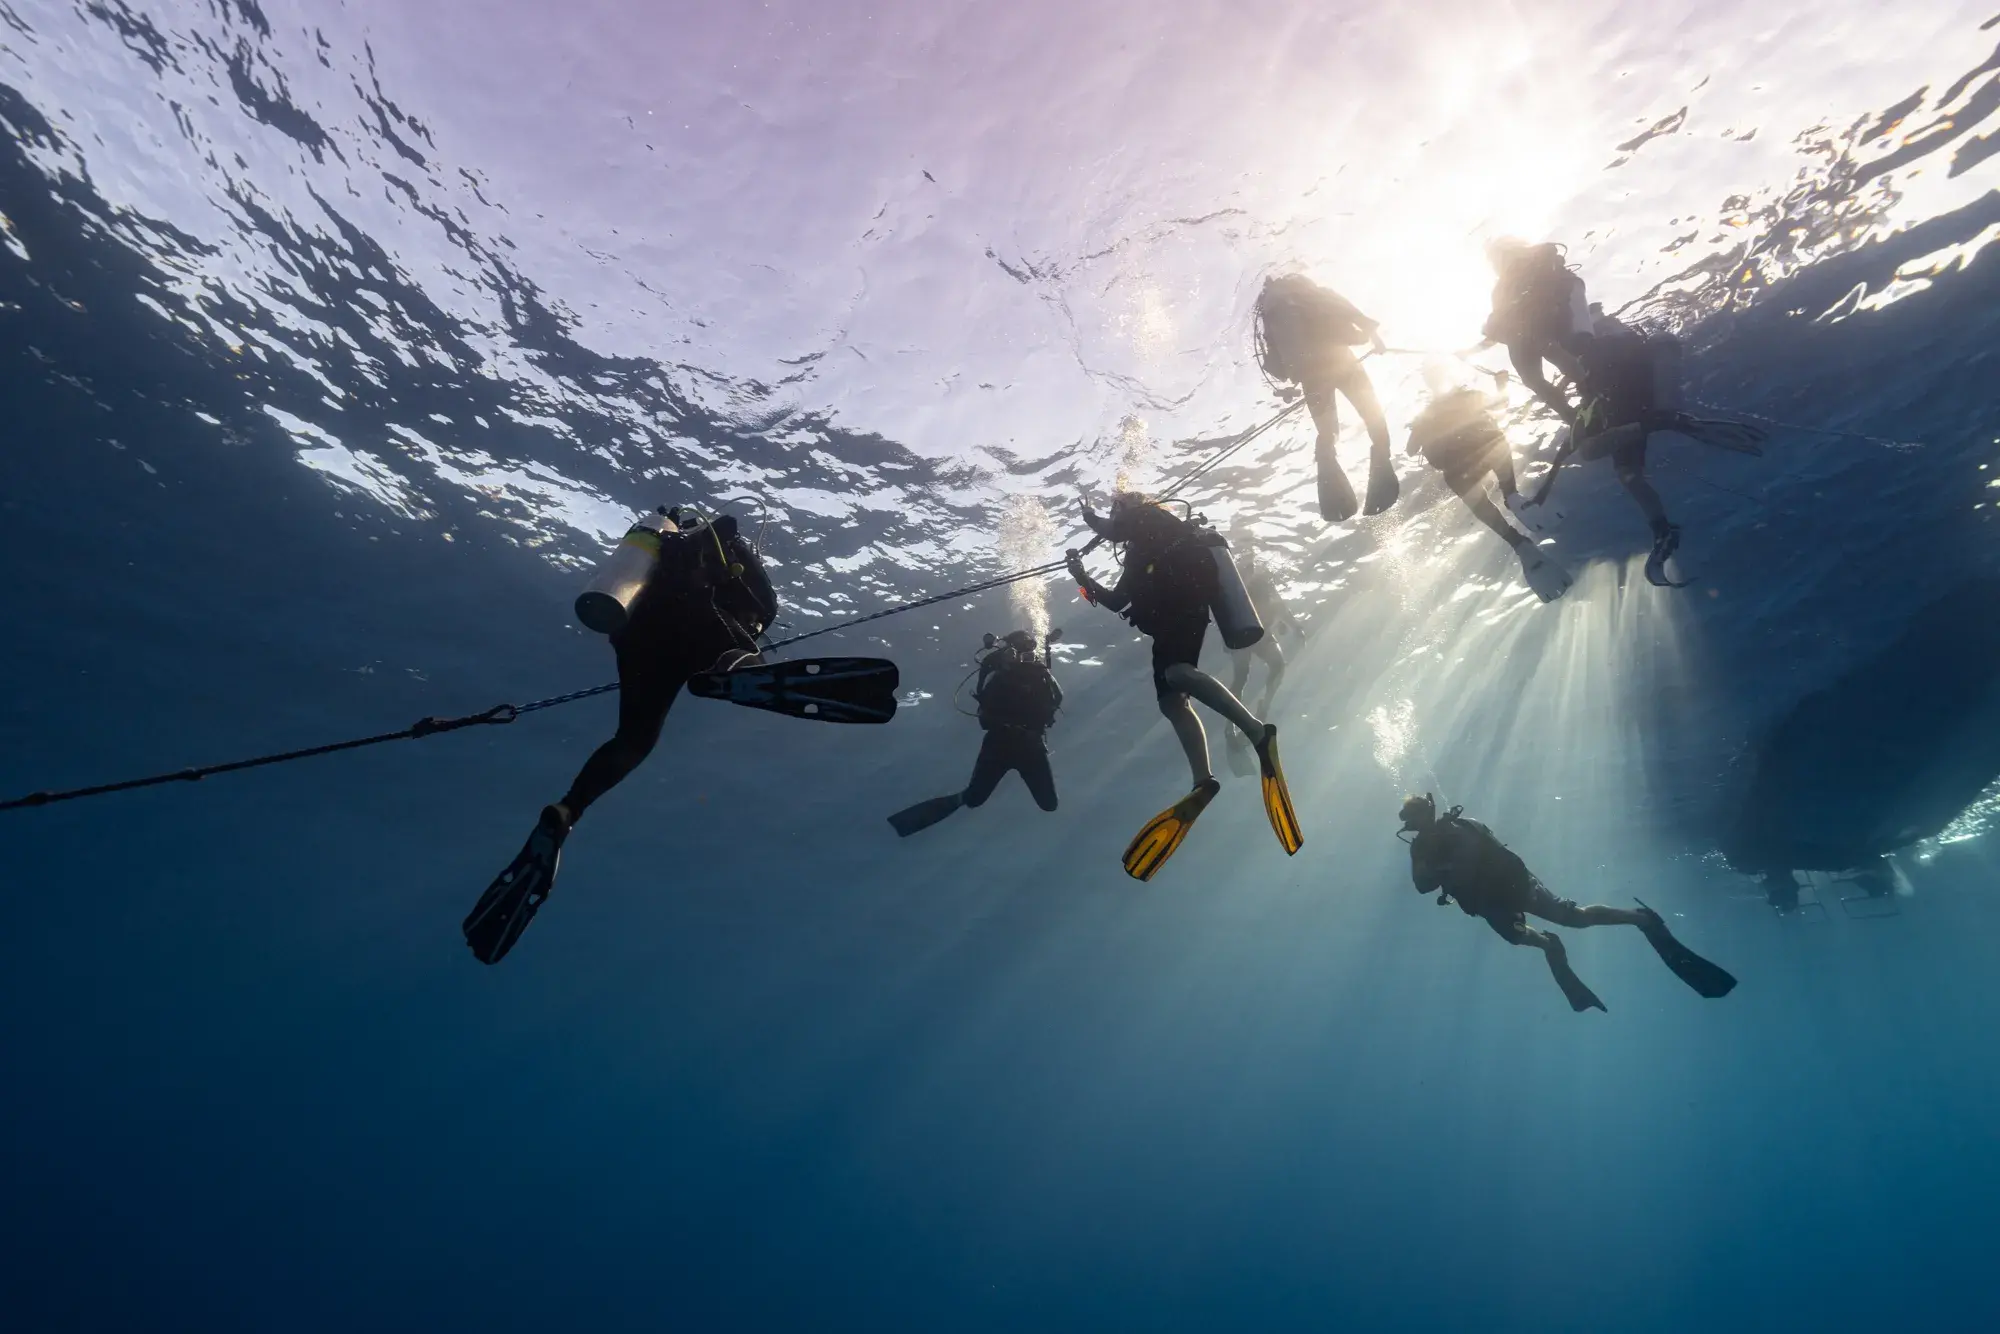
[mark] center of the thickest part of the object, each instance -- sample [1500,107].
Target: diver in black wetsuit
[1018,698]
[694,623]
[1620,411]
[702,609]
[1170,580]
[1462,858]
[1306,335]
[1626,381]
[1540,314]
[1457,434]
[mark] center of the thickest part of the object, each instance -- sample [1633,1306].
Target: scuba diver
[1540,314]
[1175,572]
[683,598]
[1018,698]
[1630,383]
[1304,336]
[1463,859]
[1277,618]
[1456,434]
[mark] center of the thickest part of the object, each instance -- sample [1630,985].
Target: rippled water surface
[341,340]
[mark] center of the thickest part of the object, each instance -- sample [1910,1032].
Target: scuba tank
[1235,614]
[605,603]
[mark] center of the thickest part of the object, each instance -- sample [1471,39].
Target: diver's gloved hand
[1288,393]
[1092,519]
[1074,558]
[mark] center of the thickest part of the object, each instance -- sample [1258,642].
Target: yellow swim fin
[1278,797]
[1162,835]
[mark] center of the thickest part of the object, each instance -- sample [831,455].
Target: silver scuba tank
[604,605]
[1235,615]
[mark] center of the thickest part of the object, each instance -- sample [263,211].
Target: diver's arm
[1555,466]
[1055,692]
[1115,599]
[1528,365]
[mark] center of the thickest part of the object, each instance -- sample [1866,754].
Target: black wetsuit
[1017,703]
[1309,333]
[692,615]
[1457,435]
[1164,589]
[1539,314]
[1462,857]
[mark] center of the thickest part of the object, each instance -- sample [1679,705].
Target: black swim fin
[1580,997]
[511,901]
[1657,573]
[924,814]
[1708,979]
[1739,437]
[830,690]
[1336,493]
[1383,488]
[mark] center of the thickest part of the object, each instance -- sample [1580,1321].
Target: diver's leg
[1489,514]
[1336,493]
[987,771]
[1268,649]
[1630,461]
[1031,761]
[1515,930]
[1192,682]
[1501,460]
[1239,666]
[1187,727]
[1382,485]
[1543,903]
[647,685]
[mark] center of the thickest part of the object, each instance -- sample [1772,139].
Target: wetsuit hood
[1418,813]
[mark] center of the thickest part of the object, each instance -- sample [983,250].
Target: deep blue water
[760,1065]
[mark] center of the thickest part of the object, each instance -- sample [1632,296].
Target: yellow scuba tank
[606,602]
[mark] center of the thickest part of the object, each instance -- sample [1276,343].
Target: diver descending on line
[1305,335]
[683,599]
[1629,382]
[1018,699]
[1175,572]
[1540,314]
[1631,391]
[1462,858]
[1457,434]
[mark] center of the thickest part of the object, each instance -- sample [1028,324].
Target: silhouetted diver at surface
[1305,336]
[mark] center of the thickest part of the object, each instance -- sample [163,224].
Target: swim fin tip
[1162,835]
[924,814]
[1708,979]
[518,893]
[1277,796]
[1579,995]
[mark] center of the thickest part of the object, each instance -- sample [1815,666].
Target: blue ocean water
[334,360]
